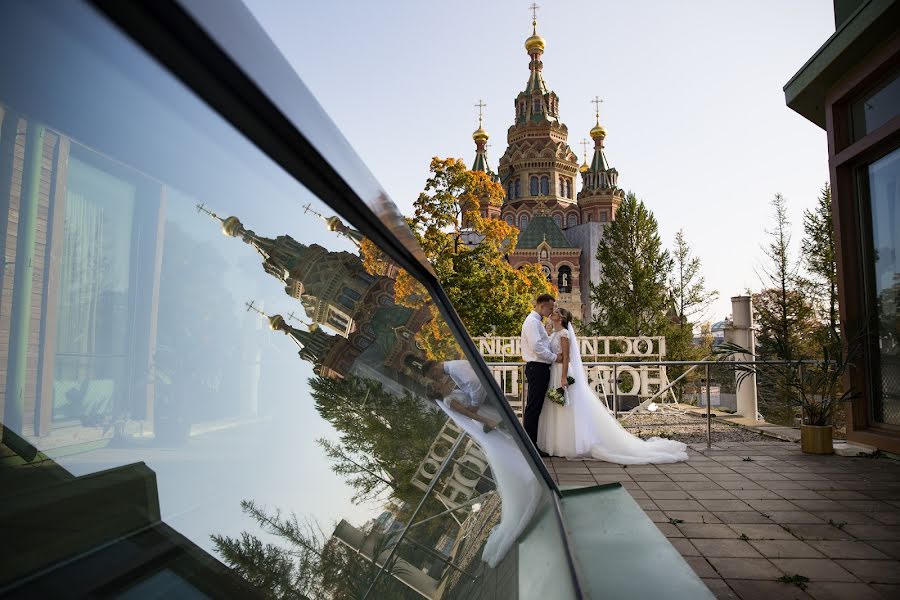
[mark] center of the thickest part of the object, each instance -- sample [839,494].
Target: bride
[584,427]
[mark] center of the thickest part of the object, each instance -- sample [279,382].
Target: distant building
[559,228]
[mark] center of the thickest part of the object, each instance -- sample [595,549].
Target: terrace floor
[744,524]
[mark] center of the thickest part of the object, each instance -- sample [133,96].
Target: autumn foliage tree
[491,297]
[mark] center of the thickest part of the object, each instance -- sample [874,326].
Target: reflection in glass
[876,108]
[884,194]
[266,410]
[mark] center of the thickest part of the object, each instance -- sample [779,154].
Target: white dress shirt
[535,341]
[470,391]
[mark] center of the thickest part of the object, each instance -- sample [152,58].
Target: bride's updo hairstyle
[566,317]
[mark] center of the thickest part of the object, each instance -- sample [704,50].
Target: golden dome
[480,135]
[584,167]
[334,223]
[231,226]
[276,323]
[535,42]
[598,132]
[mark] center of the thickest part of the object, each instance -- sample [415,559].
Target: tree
[687,286]
[491,297]
[382,437]
[785,315]
[305,564]
[631,296]
[819,256]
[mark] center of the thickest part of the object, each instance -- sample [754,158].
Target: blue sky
[693,101]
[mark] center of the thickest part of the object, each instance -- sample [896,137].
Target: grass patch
[799,580]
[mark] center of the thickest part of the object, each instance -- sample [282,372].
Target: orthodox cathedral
[559,229]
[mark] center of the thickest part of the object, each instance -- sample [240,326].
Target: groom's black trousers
[537,375]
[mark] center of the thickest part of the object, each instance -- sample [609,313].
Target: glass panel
[884,190]
[203,356]
[877,108]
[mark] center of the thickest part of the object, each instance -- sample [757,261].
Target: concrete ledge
[853,449]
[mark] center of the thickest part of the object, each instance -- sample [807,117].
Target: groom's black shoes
[543,454]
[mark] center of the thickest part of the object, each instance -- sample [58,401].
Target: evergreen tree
[304,564]
[687,286]
[382,437]
[784,313]
[819,256]
[631,298]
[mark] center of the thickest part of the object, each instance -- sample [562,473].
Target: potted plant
[816,388]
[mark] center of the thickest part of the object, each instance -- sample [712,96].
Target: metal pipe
[615,383]
[708,411]
[800,390]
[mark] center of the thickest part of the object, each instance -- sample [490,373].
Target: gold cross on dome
[251,306]
[584,145]
[534,8]
[480,106]
[597,101]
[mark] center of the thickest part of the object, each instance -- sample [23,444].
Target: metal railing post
[615,383]
[708,411]
[800,390]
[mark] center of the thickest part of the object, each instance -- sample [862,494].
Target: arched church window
[536,106]
[558,220]
[509,190]
[518,191]
[523,222]
[568,188]
[603,217]
[522,108]
[510,220]
[572,220]
[545,185]
[546,270]
[534,186]
[544,254]
[564,280]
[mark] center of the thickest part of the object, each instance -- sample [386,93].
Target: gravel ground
[686,428]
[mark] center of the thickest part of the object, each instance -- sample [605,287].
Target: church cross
[597,101]
[480,106]
[534,8]
[309,209]
[294,317]
[251,306]
[584,144]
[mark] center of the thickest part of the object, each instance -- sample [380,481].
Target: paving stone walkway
[746,514]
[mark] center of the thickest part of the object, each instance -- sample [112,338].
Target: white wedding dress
[585,428]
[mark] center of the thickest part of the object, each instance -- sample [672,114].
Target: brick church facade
[559,228]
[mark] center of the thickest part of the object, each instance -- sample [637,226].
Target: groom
[538,357]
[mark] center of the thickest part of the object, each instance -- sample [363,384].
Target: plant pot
[816,439]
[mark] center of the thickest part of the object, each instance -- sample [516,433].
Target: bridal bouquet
[559,394]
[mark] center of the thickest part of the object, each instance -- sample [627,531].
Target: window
[518,191]
[558,220]
[603,217]
[564,279]
[884,196]
[877,108]
[545,186]
[536,106]
[510,220]
[509,190]
[523,222]
[590,217]
[572,220]
[156,319]
[534,189]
